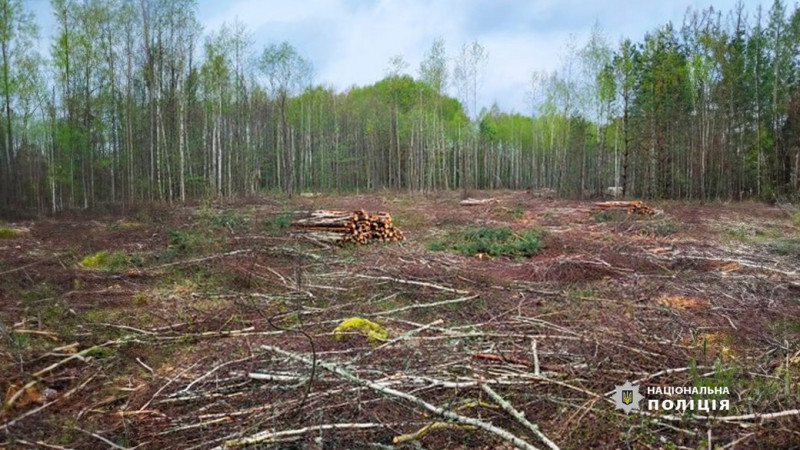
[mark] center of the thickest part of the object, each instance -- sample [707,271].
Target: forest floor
[195,327]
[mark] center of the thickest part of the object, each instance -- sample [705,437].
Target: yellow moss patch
[373,331]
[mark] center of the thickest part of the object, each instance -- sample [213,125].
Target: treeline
[136,103]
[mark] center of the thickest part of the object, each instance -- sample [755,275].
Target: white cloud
[351,41]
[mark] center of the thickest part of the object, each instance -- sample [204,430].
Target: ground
[195,327]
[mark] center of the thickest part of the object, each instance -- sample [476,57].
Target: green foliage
[500,241]
[111,261]
[373,331]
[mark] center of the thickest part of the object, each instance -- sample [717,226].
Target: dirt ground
[213,327]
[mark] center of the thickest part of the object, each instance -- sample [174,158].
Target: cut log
[631,207]
[477,201]
[339,227]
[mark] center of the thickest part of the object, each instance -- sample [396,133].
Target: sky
[350,42]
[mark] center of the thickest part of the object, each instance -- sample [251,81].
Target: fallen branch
[416,283]
[46,405]
[402,337]
[477,202]
[10,403]
[756,416]
[28,265]
[520,416]
[424,305]
[419,434]
[501,358]
[450,415]
[197,260]
[101,438]
[268,436]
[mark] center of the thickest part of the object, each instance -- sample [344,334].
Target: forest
[205,244]
[136,103]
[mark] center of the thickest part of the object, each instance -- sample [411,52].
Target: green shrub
[501,241]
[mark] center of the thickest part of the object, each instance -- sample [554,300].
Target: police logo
[627,397]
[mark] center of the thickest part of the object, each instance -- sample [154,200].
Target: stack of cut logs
[339,227]
[632,207]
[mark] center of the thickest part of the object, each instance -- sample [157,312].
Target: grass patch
[786,247]
[796,218]
[746,233]
[603,216]
[111,261]
[278,224]
[186,242]
[501,241]
[39,291]
[8,233]
[228,218]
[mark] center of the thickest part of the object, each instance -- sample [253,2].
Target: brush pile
[340,227]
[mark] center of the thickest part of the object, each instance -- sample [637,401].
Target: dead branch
[101,438]
[268,436]
[756,416]
[497,431]
[275,377]
[477,202]
[419,434]
[402,337]
[80,355]
[425,305]
[520,416]
[501,358]
[29,265]
[207,374]
[46,405]
[415,283]
[198,260]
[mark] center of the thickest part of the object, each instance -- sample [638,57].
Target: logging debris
[632,207]
[477,202]
[341,227]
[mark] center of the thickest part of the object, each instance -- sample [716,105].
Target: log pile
[477,202]
[632,207]
[340,227]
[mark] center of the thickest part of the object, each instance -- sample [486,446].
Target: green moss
[373,331]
